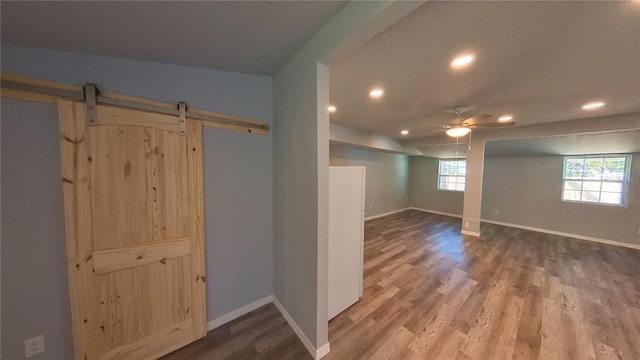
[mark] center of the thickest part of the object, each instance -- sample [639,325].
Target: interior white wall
[237,167]
[527,190]
[386,187]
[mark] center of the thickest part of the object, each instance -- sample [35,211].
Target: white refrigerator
[346,236]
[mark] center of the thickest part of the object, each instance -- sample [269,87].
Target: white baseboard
[385,214]
[546,231]
[315,353]
[472,233]
[436,212]
[239,312]
[465,232]
[575,236]
[322,351]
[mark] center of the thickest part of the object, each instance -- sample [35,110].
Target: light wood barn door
[134,228]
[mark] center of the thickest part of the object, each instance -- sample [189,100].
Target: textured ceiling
[602,143]
[539,61]
[616,142]
[253,37]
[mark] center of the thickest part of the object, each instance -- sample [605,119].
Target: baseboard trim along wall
[385,214]
[315,353]
[471,233]
[531,228]
[322,351]
[560,233]
[437,212]
[239,312]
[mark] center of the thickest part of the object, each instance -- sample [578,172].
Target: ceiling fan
[479,121]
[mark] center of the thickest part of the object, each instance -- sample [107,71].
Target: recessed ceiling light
[505,118]
[593,105]
[376,93]
[332,108]
[404,132]
[462,60]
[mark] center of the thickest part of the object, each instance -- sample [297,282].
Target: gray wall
[386,187]
[238,185]
[301,162]
[423,188]
[34,276]
[527,191]
[296,195]
[239,224]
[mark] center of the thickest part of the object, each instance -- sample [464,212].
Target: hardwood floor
[261,334]
[431,293]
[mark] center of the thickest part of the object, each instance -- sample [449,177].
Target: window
[451,175]
[598,179]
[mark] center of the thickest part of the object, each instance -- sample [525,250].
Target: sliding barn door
[134,228]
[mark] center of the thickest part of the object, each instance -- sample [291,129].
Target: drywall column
[301,165]
[296,172]
[473,188]
[322,312]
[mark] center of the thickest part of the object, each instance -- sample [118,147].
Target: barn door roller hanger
[90,95]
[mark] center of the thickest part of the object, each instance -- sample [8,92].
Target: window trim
[440,175]
[625,179]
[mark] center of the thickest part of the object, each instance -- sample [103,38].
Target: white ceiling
[253,37]
[539,61]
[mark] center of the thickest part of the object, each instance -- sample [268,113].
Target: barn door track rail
[24,88]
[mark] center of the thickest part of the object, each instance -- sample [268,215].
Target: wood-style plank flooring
[431,293]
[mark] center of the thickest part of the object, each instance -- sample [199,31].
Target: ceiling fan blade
[441,126]
[476,120]
[435,125]
[494,124]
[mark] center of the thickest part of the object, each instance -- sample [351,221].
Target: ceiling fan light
[458,131]
[593,105]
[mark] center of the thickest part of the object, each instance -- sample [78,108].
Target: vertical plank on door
[196,195]
[76,187]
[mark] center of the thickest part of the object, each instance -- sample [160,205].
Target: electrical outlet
[497,212]
[370,206]
[34,346]
[466,224]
